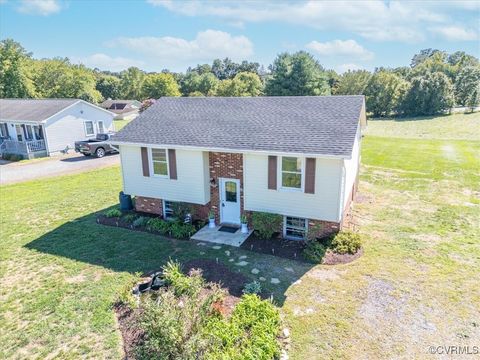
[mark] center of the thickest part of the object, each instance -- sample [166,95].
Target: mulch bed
[332,258]
[132,335]
[288,249]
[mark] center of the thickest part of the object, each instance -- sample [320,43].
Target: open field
[416,285]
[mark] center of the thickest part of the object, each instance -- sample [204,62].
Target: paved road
[14,172]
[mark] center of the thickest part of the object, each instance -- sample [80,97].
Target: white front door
[229,201]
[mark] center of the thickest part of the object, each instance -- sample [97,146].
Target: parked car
[98,146]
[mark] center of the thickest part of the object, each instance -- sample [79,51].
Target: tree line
[434,82]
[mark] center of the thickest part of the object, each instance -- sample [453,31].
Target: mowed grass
[418,210]
[120,124]
[457,126]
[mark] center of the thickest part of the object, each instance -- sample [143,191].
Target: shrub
[266,224]
[346,242]
[314,251]
[158,225]
[253,287]
[12,157]
[173,327]
[181,283]
[140,221]
[250,333]
[182,231]
[126,295]
[181,211]
[130,217]
[113,213]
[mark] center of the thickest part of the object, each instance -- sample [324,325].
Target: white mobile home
[36,128]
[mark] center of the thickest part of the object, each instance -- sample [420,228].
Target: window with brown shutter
[272,172]
[172,163]
[310,176]
[145,165]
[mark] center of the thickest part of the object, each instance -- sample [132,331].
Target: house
[41,127]
[125,109]
[294,156]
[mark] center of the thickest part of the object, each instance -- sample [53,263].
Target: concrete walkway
[15,172]
[221,237]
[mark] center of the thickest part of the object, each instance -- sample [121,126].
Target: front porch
[215,235]
[28,149]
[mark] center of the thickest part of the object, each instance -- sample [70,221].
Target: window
[28,132]
[3,130]
[294,228]
[38,130]
[168,210]
[291,172]
[231,191]
[159,162]
[89,128]
[18,131]
[101,130]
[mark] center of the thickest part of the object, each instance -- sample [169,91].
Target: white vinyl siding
[191,185]
[351,169]
[68,126]
[323,205]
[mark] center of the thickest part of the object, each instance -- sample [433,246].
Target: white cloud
[341,48]
[345,67]
[105,62]
[372,19]
[456,33]
[39,7]
[206,46]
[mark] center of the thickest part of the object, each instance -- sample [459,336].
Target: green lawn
[416,285]
[119,124]
[458,126]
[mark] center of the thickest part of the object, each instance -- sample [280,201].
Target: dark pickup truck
[98,146]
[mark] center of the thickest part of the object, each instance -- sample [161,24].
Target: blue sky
[157,34]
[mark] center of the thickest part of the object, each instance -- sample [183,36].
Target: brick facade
[224,165]
[149,205]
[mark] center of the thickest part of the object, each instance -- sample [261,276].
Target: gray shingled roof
[324,125]
[32,109]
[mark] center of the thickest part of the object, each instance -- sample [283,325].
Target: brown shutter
[145,165]
[310,176]
[172,164]
[272,172]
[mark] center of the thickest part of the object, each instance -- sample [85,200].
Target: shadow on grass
[124,250]
[418,118]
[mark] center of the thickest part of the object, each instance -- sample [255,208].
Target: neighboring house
[35,128]
[125,109]
[294,156]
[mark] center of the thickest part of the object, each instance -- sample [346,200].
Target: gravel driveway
[14,172]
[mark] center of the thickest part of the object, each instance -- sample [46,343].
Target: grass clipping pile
[193,319]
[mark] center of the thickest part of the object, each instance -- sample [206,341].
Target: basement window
[168,210]
[294,228]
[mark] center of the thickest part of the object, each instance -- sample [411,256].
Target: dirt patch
[288,249]
[215,272]
[132,335]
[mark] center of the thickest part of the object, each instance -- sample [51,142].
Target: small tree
[467,85]
[383,92]
[158,85]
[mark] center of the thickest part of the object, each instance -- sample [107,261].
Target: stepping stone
[243,257]
[274,281]
[202,252]
[289,269]
[298,282]
[231,260]
[216,247]
[201,244]
[255,271]
[242,263]
[261,278]
[227,252]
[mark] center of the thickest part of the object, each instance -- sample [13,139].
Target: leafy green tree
[424,55]
[132,83]
[353,82]
[109,86]
[158,85]
[15,71]
[467,86]
[463,59]
[205,84]
[333,80]
[58,78]
[297,74]
[383,93]
[429,94]
[243,84]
